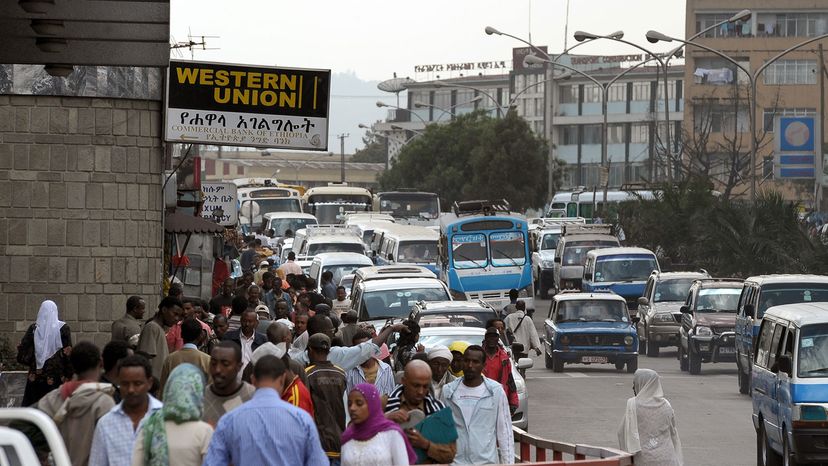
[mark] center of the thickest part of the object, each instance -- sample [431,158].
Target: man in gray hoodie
[77,405]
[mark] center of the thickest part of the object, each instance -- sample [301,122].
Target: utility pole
[820,162]
[342,154]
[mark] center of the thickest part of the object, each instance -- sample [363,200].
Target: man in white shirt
[291,267]
[341,304]
[247,337]
[521,325]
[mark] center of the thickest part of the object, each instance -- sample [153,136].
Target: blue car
[789,385]
[590,328]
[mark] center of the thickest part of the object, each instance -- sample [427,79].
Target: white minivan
[338,263]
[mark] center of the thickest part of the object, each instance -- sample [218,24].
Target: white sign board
[220,196]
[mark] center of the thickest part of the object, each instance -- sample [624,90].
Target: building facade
[718,111]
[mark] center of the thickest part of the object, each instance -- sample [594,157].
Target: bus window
[572,209]
[508,249]
[586,210]
[469,251]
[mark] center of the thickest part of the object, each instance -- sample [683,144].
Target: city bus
[331,204]
[484,252]
[409,207]
[259,196]
[583,203]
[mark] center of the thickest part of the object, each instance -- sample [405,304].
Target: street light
[382,104]
[446,110]
[492,98]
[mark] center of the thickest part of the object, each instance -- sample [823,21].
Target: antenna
[193,43]
[566,25]
[530,21]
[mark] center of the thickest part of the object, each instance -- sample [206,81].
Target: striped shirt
[430,404]
[384,382]
[114,436]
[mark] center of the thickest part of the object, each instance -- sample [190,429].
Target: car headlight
[548,264]
[628,340]
[663,319]
[564,340]
[525,292]
[703,331]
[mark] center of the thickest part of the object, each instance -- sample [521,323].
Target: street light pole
[446,110]
[342,154]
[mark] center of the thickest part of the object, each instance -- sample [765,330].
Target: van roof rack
[485,207]
[559,221]
[315,230]
[592,229]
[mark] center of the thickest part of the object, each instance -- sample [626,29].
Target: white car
[430,336]
[338,263]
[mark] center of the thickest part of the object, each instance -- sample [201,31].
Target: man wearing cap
[264,266]
[498,366]
[439,359]
[263,314]
[457,349]
[327,384]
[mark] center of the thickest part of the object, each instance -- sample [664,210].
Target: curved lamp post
[446,110]
[382,104]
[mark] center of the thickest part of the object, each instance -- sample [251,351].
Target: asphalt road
[585,404]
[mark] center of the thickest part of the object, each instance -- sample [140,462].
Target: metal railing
[539,451]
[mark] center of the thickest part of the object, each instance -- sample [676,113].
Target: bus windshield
[624,268]
[334,213]
[469,251]
[283,204]
[575,253]
[508,249]
[281,225]
[410,205]
[417,251]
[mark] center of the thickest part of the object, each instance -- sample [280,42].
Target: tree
[475,157]
[374,150]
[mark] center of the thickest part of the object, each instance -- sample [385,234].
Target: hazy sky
[376,38]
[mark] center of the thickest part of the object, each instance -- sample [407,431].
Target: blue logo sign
[796,134]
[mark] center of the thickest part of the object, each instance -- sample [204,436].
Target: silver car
[430,336]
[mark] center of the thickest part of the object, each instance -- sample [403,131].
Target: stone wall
[80,210]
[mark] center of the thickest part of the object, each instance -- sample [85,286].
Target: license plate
[727,349]
[596,359]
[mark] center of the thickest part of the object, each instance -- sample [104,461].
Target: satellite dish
[395,85]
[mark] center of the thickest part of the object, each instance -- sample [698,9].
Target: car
[760,293]
[453,314]
[545,233]
[445,336]
[575,242]
[707,332]
[378,296]
[659,309]
[318,239]
[790,385]
[17,449]
[590,328]
[624,271]
[338,263]
[347,282]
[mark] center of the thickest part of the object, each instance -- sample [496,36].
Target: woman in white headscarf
[45,350]
[648,429]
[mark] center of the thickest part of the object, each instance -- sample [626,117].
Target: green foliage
[475,157]
[689,227]
[374,150]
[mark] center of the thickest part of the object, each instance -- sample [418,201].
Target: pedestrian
[266,430]
[498,366]
[188,354]
[116,431]
[258,276]
[341,304]
[328,286]
[648,429]
[112,354]
[248,255]
[281,309]
[371,438]
[176,290]
[227,391]
[349,327]
[189,308]
[481,414]
[372,371]
[407,345]
[222,303]
[290,267]
[295,391]
[269,292]
[247,337]
[130,324]
[263,315]
[513,299]
[413,395]
[175,434]
[300,324]
[153,341]
[77,405]
[239,305]
[254,292]
[45,350]
[457,349]
[521,327]
[327,384]
[439,359]
[220,327]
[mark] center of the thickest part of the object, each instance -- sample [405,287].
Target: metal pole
[753,143]
[342,154]
[820,165]
[547,125]
[670,167]
[604,142]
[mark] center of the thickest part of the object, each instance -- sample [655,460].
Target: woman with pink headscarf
[371,439]
[45,349]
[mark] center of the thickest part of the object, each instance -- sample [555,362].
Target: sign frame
[230,206]
[795,157]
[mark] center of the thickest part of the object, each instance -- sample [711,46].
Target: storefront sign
[596,59]
[220,203]
[795,153]
[239,105]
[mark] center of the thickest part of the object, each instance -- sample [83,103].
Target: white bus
[259,196]
[583,203]
[331,204]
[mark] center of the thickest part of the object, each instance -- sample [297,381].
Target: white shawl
[47,333]
[649,408]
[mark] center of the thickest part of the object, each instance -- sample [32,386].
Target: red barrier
[534,450]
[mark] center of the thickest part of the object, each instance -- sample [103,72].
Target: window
[791,72]
[617,93]
[813,351]
[763,348]
[592,93]
[538,107]
[592,134]
[639,133]
[720,118]
[568,135]
[792,24]
[508,249]
[469,251]
[770,113]
[718,71]
[615,134]
[641,91]
[737,29]
[776,344]
[442,100]
[569,94]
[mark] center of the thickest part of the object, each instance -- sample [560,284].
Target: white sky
[375,38]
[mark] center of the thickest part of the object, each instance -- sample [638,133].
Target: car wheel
[547,359]
[619,365]
[652,348]
[557,364]
[765,455]
[693,362]
[788,458]
[632,365]
[682,359]
[743,379]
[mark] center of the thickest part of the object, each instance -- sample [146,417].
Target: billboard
[221,203]
[241,105]
[795,154]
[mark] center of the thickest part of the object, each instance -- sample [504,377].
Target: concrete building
[717,92]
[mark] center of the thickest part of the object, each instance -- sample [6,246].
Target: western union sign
[239,105]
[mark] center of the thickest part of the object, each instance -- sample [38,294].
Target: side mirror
[784,364]
[750,310]
[525,363]
[587,276]
[635,319]
[685,309]
[557,259]
[643,301]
